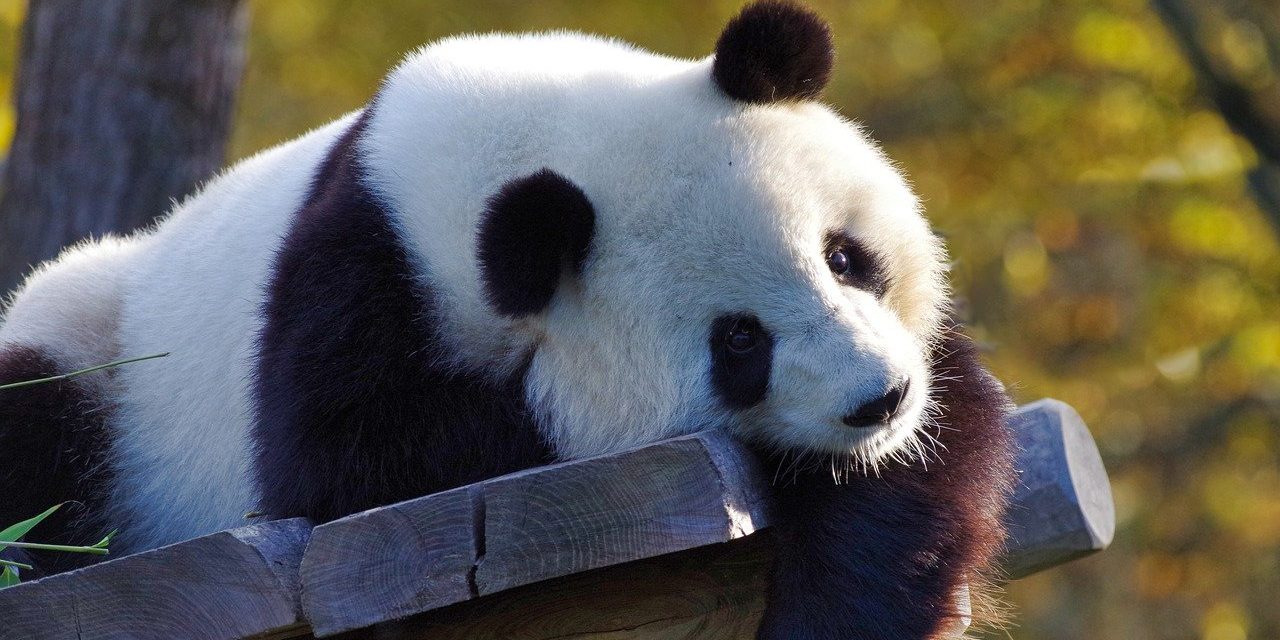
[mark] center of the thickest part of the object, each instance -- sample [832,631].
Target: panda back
[182,450]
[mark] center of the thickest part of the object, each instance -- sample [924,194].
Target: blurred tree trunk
[123,106]
[1247,95]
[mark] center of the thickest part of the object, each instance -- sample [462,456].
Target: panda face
[750,265]
[781,284]
[827,353]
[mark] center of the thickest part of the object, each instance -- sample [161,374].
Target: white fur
[704,206]
[70,307]
[183,447]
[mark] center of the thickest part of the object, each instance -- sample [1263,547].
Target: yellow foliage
[1097,207]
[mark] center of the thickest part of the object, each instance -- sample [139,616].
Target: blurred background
[1106,174]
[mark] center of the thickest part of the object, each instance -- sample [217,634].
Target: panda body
[525,249]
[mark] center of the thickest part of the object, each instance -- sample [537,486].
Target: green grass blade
[102,544]
[15,565]
[13,533]
[40,546]
[73,374]
[9,577]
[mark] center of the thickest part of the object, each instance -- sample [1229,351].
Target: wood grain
[1062,507]
[391,562]
[667,497]
[226,585]
[563,526]
[709,593]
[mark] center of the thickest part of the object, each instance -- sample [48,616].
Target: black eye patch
[854,265]
[741,358]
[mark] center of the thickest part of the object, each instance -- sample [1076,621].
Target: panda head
[671,245]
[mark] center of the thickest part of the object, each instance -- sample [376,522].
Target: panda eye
[853,265]
[838,262]
[742,336]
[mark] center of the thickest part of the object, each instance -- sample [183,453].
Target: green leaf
[15,532]
[9,577]
[74,374]
[102,544]
[40,546]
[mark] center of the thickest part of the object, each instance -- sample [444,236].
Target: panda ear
[532,229]
[772,51]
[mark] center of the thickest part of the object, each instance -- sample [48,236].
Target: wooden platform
[666,541]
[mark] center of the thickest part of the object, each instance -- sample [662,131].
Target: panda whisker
[778,468]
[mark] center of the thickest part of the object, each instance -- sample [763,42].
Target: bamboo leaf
[9,577]
[15,532]
[102,544]
[40,546]
[73,374]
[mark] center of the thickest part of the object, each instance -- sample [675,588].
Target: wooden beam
[391,562]
[657,542]
[530,526]
[1062,507]
[230,584]
[708,593]
[676,495]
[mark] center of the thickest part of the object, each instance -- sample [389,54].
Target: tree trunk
[123,106]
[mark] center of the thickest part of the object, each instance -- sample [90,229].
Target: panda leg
[53,445]
[355,404]
[884,557]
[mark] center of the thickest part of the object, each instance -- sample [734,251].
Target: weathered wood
[530,526]
[392,561]
[709,593]
[123,106]
[677,495]
[671,496]
[659,542]
[1062,507]
[230,584]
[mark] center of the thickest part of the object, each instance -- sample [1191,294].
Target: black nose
[881,409]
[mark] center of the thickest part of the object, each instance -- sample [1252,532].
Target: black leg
[885,557]
[53,449]
[355,405]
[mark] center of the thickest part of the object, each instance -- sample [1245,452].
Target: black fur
[774,51]
[865,271]
[532,229]
[881,557]
[353,406]
[53,449]
[741,379]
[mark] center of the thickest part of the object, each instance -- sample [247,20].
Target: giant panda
[529,249]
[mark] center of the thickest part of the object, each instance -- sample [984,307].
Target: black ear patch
[774,51]
[533,227]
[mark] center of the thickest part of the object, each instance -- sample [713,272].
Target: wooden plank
[226,585]
[392,561]
[1062,507]
[565,525]
[667,497]
[709,593]
[530,526]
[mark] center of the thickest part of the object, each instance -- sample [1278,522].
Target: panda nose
[881,409]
